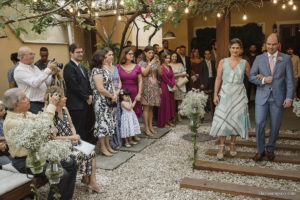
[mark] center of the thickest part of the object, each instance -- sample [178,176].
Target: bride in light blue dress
[231,116]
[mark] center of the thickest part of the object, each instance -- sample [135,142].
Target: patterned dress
[115,140]
[84,162]
[180,92]
[231,115]
[129,123]
[105,123]
[151,86]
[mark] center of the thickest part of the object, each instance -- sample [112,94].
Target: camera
[52,93]
[59,65]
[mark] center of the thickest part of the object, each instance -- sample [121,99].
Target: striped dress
[231,115]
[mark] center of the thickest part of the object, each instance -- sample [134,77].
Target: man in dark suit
[79,91]
[207,72]
[186,61]
[165,47]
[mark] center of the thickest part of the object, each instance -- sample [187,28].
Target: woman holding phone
[151,88]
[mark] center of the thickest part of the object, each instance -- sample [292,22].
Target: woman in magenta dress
[131,78]
[166,110]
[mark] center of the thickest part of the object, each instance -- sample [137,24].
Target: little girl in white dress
[129,122]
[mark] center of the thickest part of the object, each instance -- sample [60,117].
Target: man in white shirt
[32,80]
[186,61]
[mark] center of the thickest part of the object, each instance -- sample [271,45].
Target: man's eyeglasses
[79,52]
[31,54]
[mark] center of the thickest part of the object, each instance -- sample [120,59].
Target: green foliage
[56,195]
[20,30]
[115,47]
[35,191]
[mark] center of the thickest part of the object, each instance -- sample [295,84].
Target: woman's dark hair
[235,41]
[163,57]
[147,48]
[124,92]
[106,50]
[97,59]
[123,55]
[178,57]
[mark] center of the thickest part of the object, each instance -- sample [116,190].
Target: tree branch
[40,15]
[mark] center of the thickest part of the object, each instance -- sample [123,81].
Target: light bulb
[71,9]
[186,10]
[275,1]
[34,1]
[78,14]
[89,12]
[115,11]
[294,7]
[205,18]
[121,2]
[283,6]
[93,4]
[218,15]
[170,9]
[291,2]
[119,18]
[244,17]
[96,14]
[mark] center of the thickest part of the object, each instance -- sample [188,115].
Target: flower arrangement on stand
[296,105]
[54,151]
[31,133]
[192,107]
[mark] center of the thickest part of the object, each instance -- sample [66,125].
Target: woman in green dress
[231,116]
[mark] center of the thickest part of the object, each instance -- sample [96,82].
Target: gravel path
[156,172]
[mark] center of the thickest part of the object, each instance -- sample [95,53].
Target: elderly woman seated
[65,130]
[17,102]
[5,158]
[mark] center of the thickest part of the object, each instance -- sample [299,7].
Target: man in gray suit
[273,74]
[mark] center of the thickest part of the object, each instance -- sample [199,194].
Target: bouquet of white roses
[32,131]
[56,150]
[296,105]
[194,99]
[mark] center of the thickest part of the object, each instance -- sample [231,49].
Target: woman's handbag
[110,102]
[182,81]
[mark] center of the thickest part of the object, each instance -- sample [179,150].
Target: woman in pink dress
[166,110]
[131,78]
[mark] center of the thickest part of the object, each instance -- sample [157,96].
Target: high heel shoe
[105,153]
[148,133]
[232,149]
[92,189]
[153,131]
[220,155]
[136,138]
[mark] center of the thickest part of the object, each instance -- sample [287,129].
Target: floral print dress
[84,162]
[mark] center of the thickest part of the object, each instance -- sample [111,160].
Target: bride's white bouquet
[32,132]
[296,105]
[56,150]
[194,100]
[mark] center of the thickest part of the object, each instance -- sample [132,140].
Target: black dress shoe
[270,156]
[259,156]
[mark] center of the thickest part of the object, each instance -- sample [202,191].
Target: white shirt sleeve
[22,76]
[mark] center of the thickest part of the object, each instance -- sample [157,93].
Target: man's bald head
[26,55]
[272,43]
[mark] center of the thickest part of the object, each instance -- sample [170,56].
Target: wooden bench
[15,185]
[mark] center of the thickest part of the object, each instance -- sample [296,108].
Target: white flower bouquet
[56,150]
[296,105]
[32,132]
[194,100]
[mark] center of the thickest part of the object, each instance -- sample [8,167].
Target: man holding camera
[32,80]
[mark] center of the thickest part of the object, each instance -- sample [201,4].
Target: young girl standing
[129,122]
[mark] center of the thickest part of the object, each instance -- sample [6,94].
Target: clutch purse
[182,81]
[169,88]
[110,103]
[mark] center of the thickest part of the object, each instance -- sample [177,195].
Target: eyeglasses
[130,54]
[31,54]
[79,52]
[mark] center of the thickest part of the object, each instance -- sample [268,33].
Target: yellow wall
[269,14]
[11,44]
[181,32]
